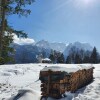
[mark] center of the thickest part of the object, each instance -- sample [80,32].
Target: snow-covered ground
[20,82]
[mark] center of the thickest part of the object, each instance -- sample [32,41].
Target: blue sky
[62,21]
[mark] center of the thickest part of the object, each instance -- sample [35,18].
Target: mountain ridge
[28,53]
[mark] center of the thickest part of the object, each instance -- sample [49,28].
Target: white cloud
[22,41]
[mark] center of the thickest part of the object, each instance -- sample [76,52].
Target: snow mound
[26,95]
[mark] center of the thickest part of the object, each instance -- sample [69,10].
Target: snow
[46,59]
[20,82]
[67,68]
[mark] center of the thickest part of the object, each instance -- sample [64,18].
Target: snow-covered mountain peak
[43,44]
[77,46]
[58,46]
[54,46]
[84,46]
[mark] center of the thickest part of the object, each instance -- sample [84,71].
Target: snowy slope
[20,82]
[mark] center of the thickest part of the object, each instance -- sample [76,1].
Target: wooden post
[48,84]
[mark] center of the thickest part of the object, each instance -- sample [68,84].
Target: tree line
[76,56]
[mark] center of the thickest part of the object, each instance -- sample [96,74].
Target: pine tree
[52,58]
[61,59]
[9,7]
[94,56]
[68,61]
[86,59]
[55,55]
[78,59]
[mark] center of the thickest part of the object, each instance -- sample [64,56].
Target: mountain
[77,46]
[29,53]
[84,46]
[54,46]
[43,44]
[58,46]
